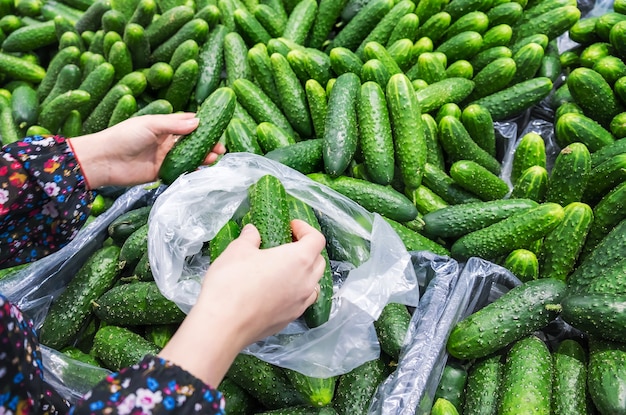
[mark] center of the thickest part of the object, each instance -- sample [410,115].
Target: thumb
[250,234]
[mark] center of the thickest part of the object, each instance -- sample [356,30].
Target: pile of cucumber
[391,103]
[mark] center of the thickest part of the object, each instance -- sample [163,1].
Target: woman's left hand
[132,151]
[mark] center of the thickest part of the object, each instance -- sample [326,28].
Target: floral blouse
[44,200]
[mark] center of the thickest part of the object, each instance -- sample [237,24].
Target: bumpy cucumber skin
[408,131]
[269,211]
[594,95]
[452,384]
[527,378]
[356,388]
[415,241]
[482,389]
[478,180]
[530,151]
[607,213]
[391,328]
[516,314]
[303,156]
[606,376]
[72,308]
[437,180]
[340,129]
[215,113]
[138,303]
[460,219]
[446,90]
[134,246]
[531,184]
[570,174]
[119,347]
[569,392]
[514,232]
[599,315]
[574,127]
[211,63]
[318,392]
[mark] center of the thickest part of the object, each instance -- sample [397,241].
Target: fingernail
[247,228]
[193,121]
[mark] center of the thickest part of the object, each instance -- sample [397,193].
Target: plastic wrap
[193,208]
[454,291]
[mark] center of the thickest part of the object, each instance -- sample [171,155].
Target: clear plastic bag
[193,208]
[454,291]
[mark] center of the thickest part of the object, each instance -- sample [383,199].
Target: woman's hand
[132,151]
[247,294]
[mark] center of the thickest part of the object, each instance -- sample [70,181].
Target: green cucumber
[594,95]
[134,36]
[54,113]
[137,303]
[269,211]
[527,61]
[476,179]
[552,23]
[119,347]
[236,58]
[452,385]
[415,241]
[9,132]
[211,63]
[183,83]
[271,137]
[374,70]
[356,387]
[476,21]
[435,151]
[523,264]
[516,231]
[437,180]
[240,138]
[125,224]
[69,55]
[215,113]
[603,154]
[493,78]
[509,318]
[98,119]
[270,19]
[317,392]
[303,156]
[300,21]
[134,247]
[435,26]
[343,60]
[30,37]
[261,69]
[527,378]
[407,129]
[606,376]
[357,29]
[24,106]
[530,151]
[573,127]
[318,105]
[605,177]
[189,49]
[569,175]
[486,56]
[391,328]
[72,308]
[425,200]
[407,28]
[124,109]
[196,29]
[429,68]
[498,35]
[482,389]
[224,236]
[250,28]
[461,46]
[479,124]
[531,184]
[569,391]
[328,12]
[597,314]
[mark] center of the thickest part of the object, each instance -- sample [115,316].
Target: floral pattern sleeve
[44,199]
[153,386]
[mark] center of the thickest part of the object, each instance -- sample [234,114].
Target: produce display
[393,104]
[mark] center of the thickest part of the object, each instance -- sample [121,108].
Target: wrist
[89,157]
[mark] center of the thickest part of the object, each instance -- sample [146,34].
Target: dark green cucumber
[377,198]
[444,91]
[267,383]
[604,178]
[183,83]
[458,145]
[461,46]
[529,151]
[300,21]
[224,236]
[240,138]
[407,129]
[356,388]
[269,211]
[476,179]
[134,247]
[24,103]
[425,200]
[516,231]
[375,71]
[211,63]
[460,219]
[482,389]
[527,378]
[238,401]
[594,95]
[569,175]
[318,313]
[137,303]
[357,29]
[527,61]
[531,184]
[597,314]
[511,317]
[569,391]
[303,156]
[561,247]
[523,264]
[435,151]
[72,308]
[452,384]
[318,105]
[188,153]
[415,241]
[606,375]
[328,12]
[391,328]
[435,26]
[30,37]
[479,124]
[375,135]
[271,137]
[574,127]
[343,60]
[341,129]
[515,99]
[125,224]
[603,154]
[407,28]
[54,113]
[98,119]
[261,69]
[437,180]
[119,347]
[493,78]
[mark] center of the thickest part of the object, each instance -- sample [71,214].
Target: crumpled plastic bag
[193,208]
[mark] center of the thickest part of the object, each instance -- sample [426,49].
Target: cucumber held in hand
[214,113]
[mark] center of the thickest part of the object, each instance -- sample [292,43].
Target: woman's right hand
[247,294]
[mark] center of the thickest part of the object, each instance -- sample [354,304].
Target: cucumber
[435,26]
[215,113]
[375,135]
[436,179]
[124,109]
[611,68]
[375,71]
[69,55]
[597,314]
[560,248]
[514,232]
[376,198]
[425,200]
[570,175]
[605,177]
[269,211]
[144,13]
[493,78]
[134,246]
[552,23]
[68,78]
[407,28]
[183,83]
[509,318]
[357,29]
[498,35]
[530,151]
[523,264]
[375,50]
[119,347]
[606,376]
[515,99]
[451,385]
[460,219]
[236,58]
[134,36]
[531,184]
[356,387]
[569,391]
[270,19]
[300,21]
[444,91]
[9,132]
[391,328]
[479,124]
[158,106]
[618,125]
[137,303]
[527,61]
[343,60]
[458,145]
[72,308]
[91,19]
[114,21]
[476,21]
[407,130]
[476,179]
[304,156]
[527,378]
[98,119]
[265,382]
[402,53]
[250,28]
[486,56]
[211,63]
[196,29]
[508,13]
[224,236]
[482,388]
[239,138]
[461,46]
[341,129]
[318,105]
[167,24]
[415,241]
[291,95]
[261,69]
[328,12]
[189,49]
[30,37]
[603,154]
[435,151]
[594,95]
[238,401]
[271,137]
[24,106]
[573,127]
[54,113]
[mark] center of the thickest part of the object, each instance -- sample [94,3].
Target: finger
[177,123]
[250,234]
[308,235]
[210,158]
[313,297]
[219,148]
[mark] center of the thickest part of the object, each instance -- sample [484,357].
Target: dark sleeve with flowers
[153,386]
[43,198]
